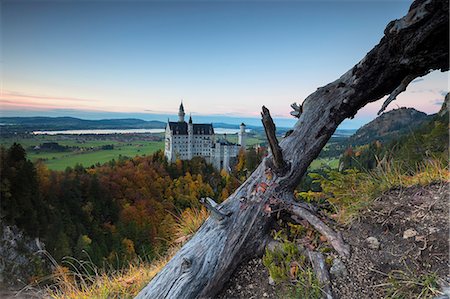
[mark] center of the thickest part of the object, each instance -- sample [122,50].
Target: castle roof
[223,141]
[181,128]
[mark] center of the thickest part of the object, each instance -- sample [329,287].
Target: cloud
[11,100]
[443,92]
[158,111]
[21,95]
[438,102]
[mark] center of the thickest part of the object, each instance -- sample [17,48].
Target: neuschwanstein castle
[187,140]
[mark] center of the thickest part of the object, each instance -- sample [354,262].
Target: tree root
[319,267]
[334,238]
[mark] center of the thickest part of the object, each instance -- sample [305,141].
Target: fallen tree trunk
[411,48]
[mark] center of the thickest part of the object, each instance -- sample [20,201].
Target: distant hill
[11,125]
[408,136]
[389,126]
[71,123]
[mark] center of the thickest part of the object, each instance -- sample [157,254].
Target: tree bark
[412,47]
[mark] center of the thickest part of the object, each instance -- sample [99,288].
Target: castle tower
[190,138]
[181,113]
[226,158]
[241,136]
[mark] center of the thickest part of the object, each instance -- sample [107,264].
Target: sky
[224,59]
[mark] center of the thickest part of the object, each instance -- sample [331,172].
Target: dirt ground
[412,229]
[10,292]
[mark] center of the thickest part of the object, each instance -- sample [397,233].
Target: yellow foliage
[128,247]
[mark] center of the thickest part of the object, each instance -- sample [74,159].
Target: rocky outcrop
[444,108]
[19,256]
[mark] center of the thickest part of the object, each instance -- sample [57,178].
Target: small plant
[403,285]
[290,269]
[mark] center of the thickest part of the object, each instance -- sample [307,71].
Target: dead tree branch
[401,88]
[334,238]
[211,205]
[280,165]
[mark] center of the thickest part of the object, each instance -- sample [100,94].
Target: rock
[433,230]
[409,233]
[18,255]
[265,295]
[338,268]
[271,281]
[373,243]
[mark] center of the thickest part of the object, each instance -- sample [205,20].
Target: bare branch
[334,238]
[401,88]
[277,154]
[298,110]
[211,205]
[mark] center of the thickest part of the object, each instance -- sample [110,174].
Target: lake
[122,131]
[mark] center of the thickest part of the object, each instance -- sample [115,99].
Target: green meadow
[88,150]
[60,161]
[321,162]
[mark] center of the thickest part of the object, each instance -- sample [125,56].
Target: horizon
[217,119]
[95,60]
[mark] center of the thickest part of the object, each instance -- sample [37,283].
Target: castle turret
[241,136]
[190,138]
[226,158]
[181,113]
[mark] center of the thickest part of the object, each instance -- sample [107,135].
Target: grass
[60,161]
[81,279]
[333,163]
[90,153]
[352,191]
[76,281]
[403,285]
[75,140]
[189,222]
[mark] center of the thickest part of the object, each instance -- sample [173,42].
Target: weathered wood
[298,110]
[320,269]
[211,205]
[413,46]
[334,238]
[279,164]
[401,88]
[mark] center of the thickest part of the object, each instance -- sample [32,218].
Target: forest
[112,213]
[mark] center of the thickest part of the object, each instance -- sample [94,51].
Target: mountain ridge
[389,125]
